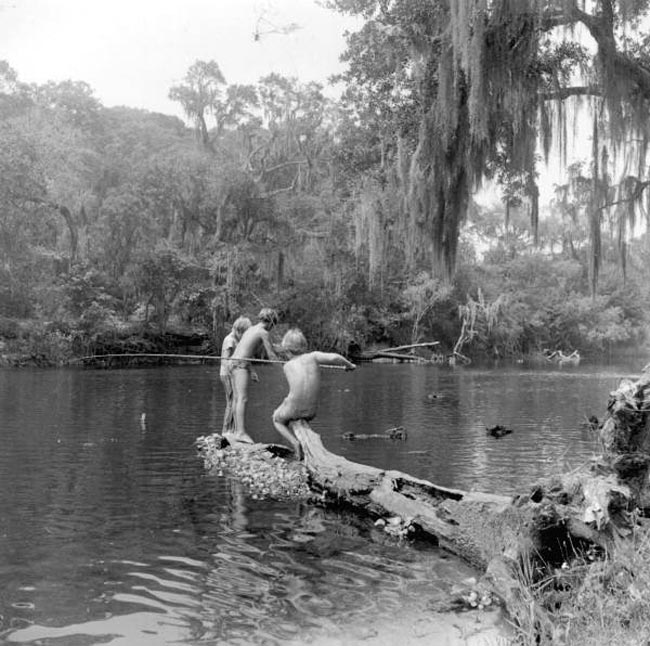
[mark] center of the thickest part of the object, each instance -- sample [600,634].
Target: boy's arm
[270,352]
[333,359]
[280,352]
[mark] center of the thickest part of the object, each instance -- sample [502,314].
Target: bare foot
[237,438]
[243,437]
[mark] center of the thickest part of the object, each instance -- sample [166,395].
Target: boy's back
[250,342]
[303,376]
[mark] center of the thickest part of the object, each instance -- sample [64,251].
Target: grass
[591,601]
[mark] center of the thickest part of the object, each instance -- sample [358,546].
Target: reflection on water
[111,533]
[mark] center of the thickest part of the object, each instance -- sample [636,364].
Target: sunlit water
[112,533]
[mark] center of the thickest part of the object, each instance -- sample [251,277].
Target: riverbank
[33,343]
[43,347]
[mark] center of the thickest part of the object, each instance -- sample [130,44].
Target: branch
[67,216]
[562,15]
[639,188]
[577,90]
[249,165]
[39,200]
[266,171]
[601,29]
[278,191]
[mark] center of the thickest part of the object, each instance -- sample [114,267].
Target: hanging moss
[478,96]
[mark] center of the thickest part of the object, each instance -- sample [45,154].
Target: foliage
[114,218]
[589,601]
[420,298]
[160,278]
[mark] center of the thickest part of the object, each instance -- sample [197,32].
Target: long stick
[187,356]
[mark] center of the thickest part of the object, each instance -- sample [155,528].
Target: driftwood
[396,433]
[397,352]
[559,357]
[398,348]
[384,354]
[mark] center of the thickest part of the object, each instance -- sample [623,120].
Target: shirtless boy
[252,341]
[227,348]
[303,375]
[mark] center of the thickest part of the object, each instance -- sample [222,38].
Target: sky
[131,52]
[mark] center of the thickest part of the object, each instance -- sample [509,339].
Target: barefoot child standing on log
[255,339]
[303,375]
[227,348]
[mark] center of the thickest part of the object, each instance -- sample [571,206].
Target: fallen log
[380,492]
[595,503]
[553,522]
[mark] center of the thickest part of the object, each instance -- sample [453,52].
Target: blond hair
[294,341]
[241,325]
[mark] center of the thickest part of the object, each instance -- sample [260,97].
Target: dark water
[111,533]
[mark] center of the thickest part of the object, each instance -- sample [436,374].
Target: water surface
[111,532]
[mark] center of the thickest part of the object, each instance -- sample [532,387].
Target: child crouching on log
[303,375]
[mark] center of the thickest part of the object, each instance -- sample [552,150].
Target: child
[252,341]
[303,375]
[227,348]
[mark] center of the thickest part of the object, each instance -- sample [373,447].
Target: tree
[204,93]
[160,278]
[491,80]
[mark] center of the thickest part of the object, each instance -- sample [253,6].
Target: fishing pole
[211,357]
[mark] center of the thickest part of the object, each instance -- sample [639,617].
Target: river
[112,533]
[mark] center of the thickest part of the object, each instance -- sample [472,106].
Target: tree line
[354,217]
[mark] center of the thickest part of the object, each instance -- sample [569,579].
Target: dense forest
[355,218]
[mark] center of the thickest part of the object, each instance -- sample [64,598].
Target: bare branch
[267,171]
[566,92]
[636,194]
[278,191]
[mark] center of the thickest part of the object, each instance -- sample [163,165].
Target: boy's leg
[281,417]
[228,419]
[240,379]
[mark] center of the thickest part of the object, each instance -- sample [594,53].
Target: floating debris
[498,430]
[471,595]
[395,433]
[396,526]
[263,474]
